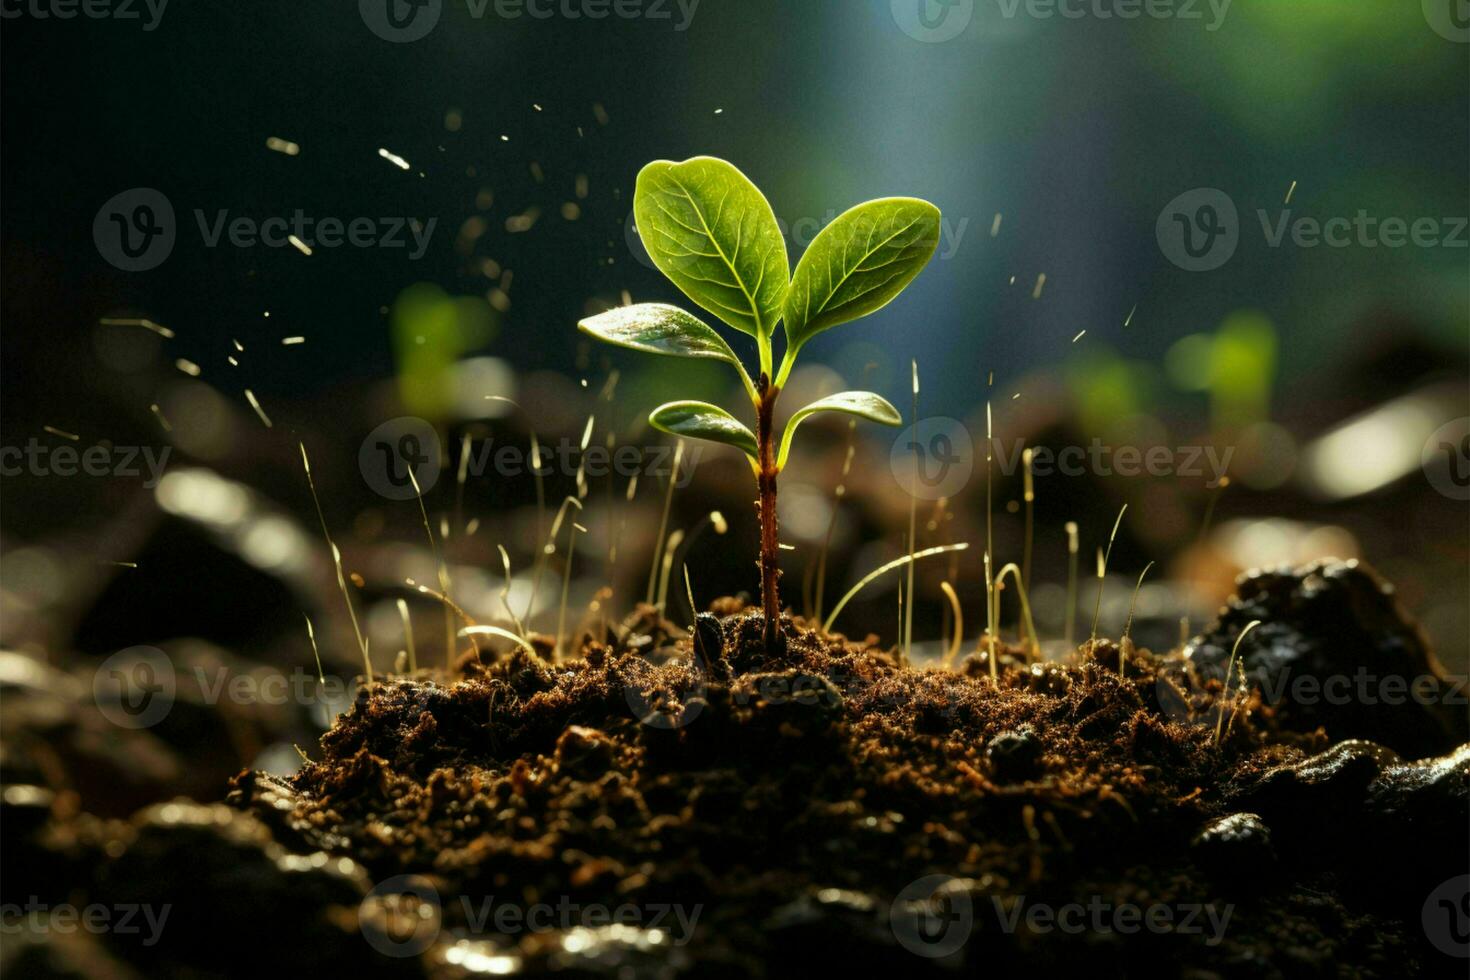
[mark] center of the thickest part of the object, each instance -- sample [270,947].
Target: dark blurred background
[1055,146]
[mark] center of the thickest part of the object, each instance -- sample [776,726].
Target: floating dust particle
[120,564]
[453,120]
[1290,191]
[522,222]
[536,106]
[537,174]
[301,246]
[238,346]
[360,582]
[233,362]
[571,211]
[719,112]
[1079,336]
[484,199]
[282,146]
[599,113]
[158,413]
[581,187]
[504,138]
[291,341]
[187,366]
[393,158]
[1040,283]
[498,299]
[255,404]
[490,269]
[266,314]
[1013,280]
[995,225]
[62,433]
[1015,396]
[158,328]
[1129,321]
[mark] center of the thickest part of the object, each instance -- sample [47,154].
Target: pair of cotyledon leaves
[712,232]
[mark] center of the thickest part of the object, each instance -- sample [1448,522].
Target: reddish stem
[770,539]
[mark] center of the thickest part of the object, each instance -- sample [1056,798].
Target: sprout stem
[770,535]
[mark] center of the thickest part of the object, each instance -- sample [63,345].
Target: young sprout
[712,232]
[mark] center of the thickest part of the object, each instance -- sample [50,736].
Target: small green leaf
[701,420]
[863,404]
[709,229]
[858,263]
[656,328]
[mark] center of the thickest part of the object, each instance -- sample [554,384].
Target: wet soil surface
[675,802]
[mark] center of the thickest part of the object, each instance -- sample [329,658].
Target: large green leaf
[863,404]
[709,229]
[701,420]
[656,328]
[858,263]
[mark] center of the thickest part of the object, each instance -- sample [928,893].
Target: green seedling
[712,232]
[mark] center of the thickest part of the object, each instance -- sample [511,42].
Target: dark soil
[794,807]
